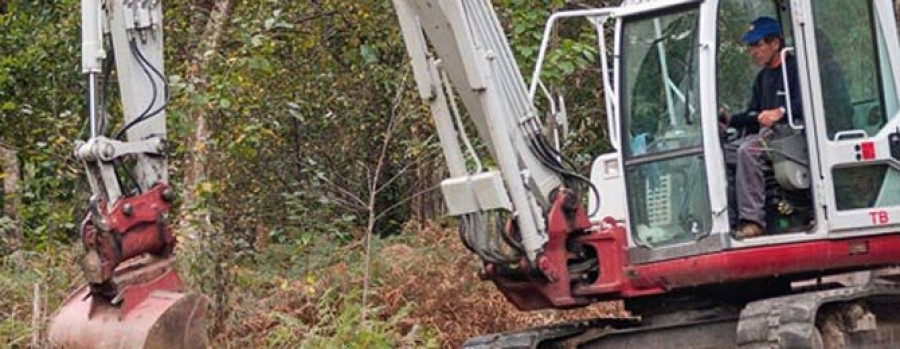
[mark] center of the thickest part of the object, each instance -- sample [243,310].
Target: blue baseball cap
[761,28]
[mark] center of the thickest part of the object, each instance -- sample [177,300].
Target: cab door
[664,68]
[847,51]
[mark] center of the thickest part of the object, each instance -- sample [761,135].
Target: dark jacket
[769,93]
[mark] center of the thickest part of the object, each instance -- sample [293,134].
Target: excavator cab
[831,172]
[664,215]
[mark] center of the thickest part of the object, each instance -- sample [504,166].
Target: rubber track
[790,321]
[531,338]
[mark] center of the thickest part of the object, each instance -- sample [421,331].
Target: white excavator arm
[134,29]
[469,55]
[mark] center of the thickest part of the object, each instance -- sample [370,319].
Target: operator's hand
[769,117]
[724,119]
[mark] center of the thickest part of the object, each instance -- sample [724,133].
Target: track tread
[531,338]
[790,321]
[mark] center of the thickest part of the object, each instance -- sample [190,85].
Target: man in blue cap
[767,107]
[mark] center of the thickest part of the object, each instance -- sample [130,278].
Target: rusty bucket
[151,311]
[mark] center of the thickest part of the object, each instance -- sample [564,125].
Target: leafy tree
[40,100]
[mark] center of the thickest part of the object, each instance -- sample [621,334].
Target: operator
[768,106]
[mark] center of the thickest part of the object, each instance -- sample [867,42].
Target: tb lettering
[879,217]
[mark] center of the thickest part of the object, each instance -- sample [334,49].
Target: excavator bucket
[152,313]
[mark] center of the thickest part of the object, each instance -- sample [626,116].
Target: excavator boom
[134,297]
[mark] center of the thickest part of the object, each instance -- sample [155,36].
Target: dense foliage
[41,100]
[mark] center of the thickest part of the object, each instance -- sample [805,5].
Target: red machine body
[618,279]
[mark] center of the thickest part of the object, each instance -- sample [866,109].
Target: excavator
[656,232]
[656,229]
[134,297]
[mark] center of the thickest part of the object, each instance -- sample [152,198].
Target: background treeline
[296,131]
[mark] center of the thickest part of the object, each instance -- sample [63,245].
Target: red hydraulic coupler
[132,227]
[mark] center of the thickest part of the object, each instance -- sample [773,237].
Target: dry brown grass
[437,273]
[430,273]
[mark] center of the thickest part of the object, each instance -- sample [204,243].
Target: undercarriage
[820,313]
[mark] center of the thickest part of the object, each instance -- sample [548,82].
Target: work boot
[747,230]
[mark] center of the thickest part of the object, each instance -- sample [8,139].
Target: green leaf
[567,67]
[368,54]
[256,40]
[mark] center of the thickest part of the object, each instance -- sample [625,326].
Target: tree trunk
[198,153]
[9,168]
[196,220]
[417,205]
[429,202]
[435,198]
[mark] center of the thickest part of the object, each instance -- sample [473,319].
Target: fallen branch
[36,316]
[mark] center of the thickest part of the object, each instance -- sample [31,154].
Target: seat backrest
[790,161]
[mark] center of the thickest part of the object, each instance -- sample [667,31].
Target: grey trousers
[746,157]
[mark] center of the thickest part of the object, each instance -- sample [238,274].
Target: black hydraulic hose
[556,155]
[145,65]
[548,156]
[543,155]
[147,113]
[469,226]
[134,182]
[463,230]
[134,51]
[491,252]
[540,151]
[541,147]
[517,245]
[545,146]
[546,160]
[162,78]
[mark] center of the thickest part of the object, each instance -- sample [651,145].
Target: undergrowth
[424,293]
[50,275]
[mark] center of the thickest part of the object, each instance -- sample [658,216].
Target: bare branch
[389,134]
[408,165]
[37,316]
[373,193]
[405,200]
[346,203]
[344,191]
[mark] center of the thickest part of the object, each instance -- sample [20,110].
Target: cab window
[666,173]
[851,59]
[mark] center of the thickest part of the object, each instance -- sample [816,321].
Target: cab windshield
[662,143]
